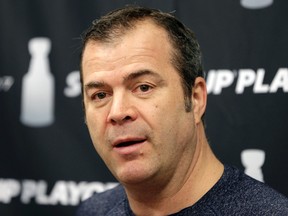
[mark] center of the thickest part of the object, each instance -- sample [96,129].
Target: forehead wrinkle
[140,73]
[97,63]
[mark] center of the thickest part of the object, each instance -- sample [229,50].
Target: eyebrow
[93,85]
[129,77]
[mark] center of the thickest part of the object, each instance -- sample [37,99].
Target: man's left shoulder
[259,196]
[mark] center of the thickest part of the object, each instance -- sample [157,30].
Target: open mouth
[129,143]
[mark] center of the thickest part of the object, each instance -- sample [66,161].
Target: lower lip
[129,150]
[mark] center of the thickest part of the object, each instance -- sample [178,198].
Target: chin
[133,175]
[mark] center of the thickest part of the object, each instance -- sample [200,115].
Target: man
[144,100]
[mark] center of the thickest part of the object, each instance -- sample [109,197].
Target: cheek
[161,115]
[95,124]
[171,116]
[97,135]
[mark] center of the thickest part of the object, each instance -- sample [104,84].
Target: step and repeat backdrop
[47,161]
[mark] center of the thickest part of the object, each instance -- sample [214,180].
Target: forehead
[146,41]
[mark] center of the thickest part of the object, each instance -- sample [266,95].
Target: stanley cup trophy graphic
[37,102]
[253,160]
[256,4]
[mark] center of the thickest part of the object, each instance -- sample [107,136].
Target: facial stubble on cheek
[187,93]
[187,104]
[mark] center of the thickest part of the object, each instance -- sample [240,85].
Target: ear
[199,98]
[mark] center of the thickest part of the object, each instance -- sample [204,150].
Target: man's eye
[144,88]
[100,95]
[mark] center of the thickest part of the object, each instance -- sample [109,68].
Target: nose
[122,110]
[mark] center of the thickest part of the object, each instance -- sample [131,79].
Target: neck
[182,190]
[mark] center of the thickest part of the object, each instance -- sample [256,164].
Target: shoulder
[103,203]
[237,193]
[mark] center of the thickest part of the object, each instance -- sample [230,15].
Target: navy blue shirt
[234,194]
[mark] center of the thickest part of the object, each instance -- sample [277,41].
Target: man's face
[135,108]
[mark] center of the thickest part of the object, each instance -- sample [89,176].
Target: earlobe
[199,98]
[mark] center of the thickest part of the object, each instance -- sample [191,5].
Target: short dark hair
[186,56]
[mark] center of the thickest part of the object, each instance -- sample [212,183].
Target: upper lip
[131,140]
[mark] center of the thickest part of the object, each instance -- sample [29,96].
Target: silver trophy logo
[37,102]
[256,4]
[253,160]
